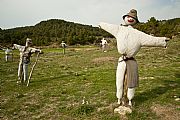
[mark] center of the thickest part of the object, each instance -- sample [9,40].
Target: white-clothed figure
[25,54]
[63,44]
[104,45]
[129,42]
[8,54]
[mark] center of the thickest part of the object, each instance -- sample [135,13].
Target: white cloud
[29,12]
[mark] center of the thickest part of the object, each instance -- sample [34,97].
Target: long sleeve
[148,40]
[33,50]
[19,47]
[130,40]
[111,28]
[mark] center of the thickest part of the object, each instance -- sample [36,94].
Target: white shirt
[130,40]
[103,42]
[8,51]
[23,51]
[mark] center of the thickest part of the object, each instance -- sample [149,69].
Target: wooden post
[32,69]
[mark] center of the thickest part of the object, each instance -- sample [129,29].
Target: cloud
[29,12]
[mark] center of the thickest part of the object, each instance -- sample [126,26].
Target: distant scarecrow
[63,44]
[8,54]
[129,42]
[25,54]
[104,45]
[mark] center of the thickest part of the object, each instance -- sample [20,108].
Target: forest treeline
[56,30]
[167,28]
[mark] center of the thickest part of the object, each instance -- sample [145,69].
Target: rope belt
[124,58]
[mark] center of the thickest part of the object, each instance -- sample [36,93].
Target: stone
[123,110]
[177,99]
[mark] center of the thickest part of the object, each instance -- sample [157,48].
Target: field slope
[60,83]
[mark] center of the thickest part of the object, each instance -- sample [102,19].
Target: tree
[152,24]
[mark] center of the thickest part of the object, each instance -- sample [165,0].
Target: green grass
[60,82]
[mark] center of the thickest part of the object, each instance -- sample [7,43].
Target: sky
[21,13]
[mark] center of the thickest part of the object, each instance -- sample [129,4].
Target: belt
[124,58]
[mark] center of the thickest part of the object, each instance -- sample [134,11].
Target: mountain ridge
[49,31]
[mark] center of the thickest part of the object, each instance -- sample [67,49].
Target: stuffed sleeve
[111,28]
[19,47]
[33,50]
[148,40]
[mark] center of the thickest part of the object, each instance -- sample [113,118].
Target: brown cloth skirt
[132,73]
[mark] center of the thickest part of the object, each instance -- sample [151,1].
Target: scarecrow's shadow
[156,92]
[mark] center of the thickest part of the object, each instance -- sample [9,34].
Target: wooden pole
[63,50]
[32,69]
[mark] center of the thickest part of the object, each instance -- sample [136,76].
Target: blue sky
[20,13]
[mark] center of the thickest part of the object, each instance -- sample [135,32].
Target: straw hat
[132,13]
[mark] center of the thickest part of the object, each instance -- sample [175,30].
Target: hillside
[55,31]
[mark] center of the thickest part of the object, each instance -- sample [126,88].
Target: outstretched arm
[148,40]
[111,28]
[19,47]
[33,50]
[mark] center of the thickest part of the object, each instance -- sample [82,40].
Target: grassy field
[60,83]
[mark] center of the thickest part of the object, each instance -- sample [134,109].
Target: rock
[177,99]
[122,110]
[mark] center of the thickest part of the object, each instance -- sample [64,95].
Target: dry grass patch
[168,112]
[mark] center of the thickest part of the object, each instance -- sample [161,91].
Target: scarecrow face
[129,20]
[28,42]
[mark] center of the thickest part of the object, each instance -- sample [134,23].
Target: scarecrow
[104,45]
[129,42]
[8,54]
[25,54]
[63,44]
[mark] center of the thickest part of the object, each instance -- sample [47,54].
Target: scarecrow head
[131,18]
[28,42]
